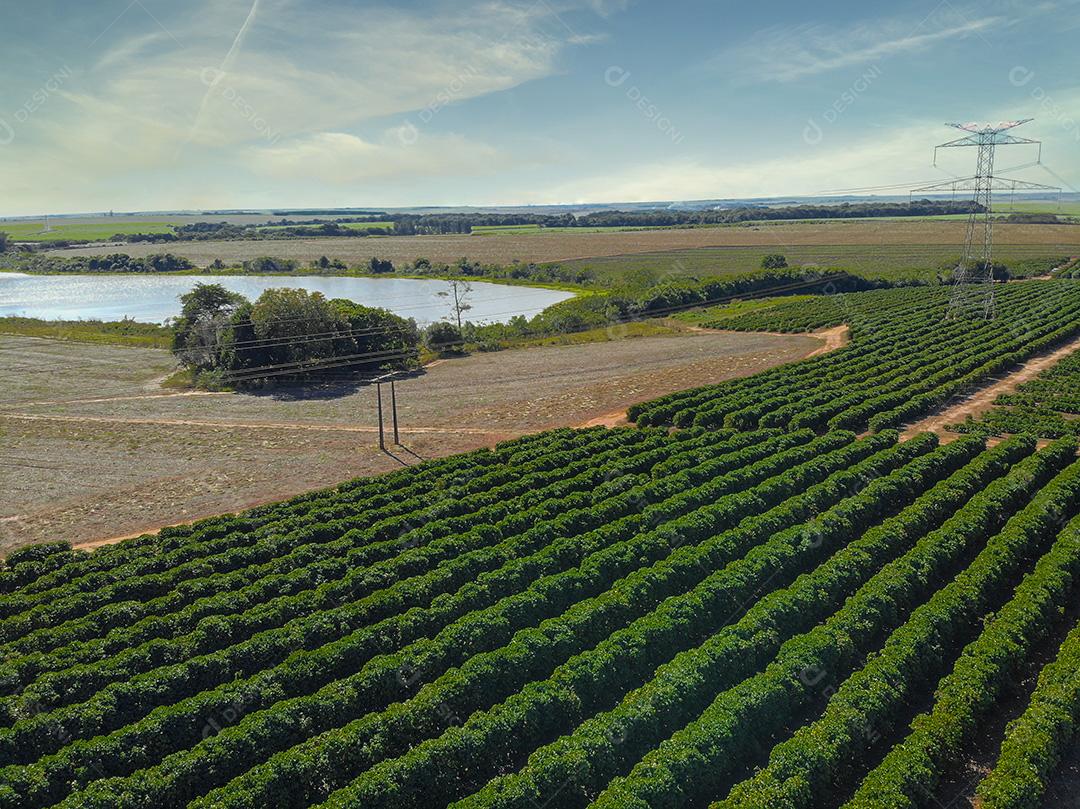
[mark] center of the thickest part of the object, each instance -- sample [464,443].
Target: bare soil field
[566,246]
[92,448]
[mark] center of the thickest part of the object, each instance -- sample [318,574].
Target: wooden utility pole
[393,409]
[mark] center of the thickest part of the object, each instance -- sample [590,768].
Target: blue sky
[148,104]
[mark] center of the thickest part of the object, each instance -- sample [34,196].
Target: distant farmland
[1043,206]
[96,231]
[871,261]
[865,246]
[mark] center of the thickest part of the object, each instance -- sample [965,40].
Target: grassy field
[124,332]
[717,314]
[1039,206]
[104,227]
[60,229]
[870,261]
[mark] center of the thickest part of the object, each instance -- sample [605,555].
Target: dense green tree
[293,326]
[443,337]
[287,333]
[390,341]
[198,332]
[264,265]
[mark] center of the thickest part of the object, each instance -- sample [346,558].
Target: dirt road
[983,399]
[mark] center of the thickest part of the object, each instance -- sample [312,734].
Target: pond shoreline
[154,297]
[309,273]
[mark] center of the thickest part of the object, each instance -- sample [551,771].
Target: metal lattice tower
[973,277]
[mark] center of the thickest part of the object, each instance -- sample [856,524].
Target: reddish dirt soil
[836,337]
[89,452]
[983,399]
[832,339]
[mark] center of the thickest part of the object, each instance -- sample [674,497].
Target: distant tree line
[1038,219]
[428,224]
[271,265]
[354,215]
[114,262]
[723,216]
[225,339]
[226,231]
[414,224]
[463,223]
[516,271]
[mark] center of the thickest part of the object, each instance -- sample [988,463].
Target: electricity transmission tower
[973,277]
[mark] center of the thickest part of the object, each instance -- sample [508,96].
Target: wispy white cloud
[213,79]
[339,158]
[899,157]
[305,69]
[788,53]
[289,85]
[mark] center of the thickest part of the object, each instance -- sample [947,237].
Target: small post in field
[378,396]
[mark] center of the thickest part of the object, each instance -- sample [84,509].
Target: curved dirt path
[91,544]
[835,338]
[983,399]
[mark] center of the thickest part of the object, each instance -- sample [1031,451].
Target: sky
[135,105]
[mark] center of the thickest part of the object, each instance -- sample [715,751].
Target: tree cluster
[114,262]
[287,333]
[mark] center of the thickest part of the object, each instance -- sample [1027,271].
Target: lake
[155,298]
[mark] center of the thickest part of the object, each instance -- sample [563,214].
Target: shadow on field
[319,389]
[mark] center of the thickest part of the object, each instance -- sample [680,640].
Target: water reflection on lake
[155,298]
